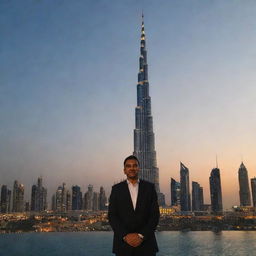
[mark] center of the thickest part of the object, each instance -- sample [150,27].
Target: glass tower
[144,138]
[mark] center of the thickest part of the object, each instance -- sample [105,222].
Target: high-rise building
[215,190]
[5,199]
[244,190]
[197,197]
[76,198]
[175,192]
[253,185]
[27,207]
[62,199]
[88,198]
[33,198]
[18,197]
[38,196]
[103,199]
[96,201]
[201,198]
[54,208]
[69,201]
[58,199]
[144,138]
[185,200]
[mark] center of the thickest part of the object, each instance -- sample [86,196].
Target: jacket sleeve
[113,216]
[150,227]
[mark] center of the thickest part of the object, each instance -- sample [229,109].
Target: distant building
[58,199]
[38,197]
[18,197]
[27,207]
[253,185]
[69,201]
[54,208]
[196,196]
[215,190]
[96,201]
[88,198]
[5,199]
[201,198]
[207,208]
[33,197]
[62,199]
[175,192]
[103,199]
[244,190]
[76,198]
[185,201]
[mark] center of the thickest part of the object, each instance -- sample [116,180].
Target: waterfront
[171,243]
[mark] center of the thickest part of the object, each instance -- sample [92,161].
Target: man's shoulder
[147,183]
[119,185]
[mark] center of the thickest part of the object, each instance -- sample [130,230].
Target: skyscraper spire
[144,138]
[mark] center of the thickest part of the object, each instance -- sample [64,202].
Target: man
[133,213]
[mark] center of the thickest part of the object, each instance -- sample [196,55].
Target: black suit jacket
[124,219]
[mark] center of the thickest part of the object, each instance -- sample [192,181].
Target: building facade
[197,197]
[185,199]
[76,198]
[253,185]
[175,192]
[215,191]
[103,199]
[38,197]
[244,190]
[88,198]
[18,204]
[5,199]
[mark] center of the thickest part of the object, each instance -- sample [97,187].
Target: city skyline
[67,114]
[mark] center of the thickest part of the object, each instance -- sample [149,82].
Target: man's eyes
[129,166]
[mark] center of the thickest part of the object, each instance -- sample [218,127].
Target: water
[171,243]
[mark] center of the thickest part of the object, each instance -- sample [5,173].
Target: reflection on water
[207,243]
[171,243]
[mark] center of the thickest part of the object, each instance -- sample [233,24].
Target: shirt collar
[128,182]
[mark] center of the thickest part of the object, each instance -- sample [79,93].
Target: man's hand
[133,239]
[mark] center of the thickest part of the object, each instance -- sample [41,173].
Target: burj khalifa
[144,138]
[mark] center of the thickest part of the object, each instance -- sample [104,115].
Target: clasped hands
[133,239]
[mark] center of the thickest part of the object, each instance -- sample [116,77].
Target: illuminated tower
[144,138]
[244,191]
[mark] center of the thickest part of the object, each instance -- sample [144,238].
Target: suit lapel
[140,195]
[128,195]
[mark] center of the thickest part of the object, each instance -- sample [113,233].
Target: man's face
[131,169]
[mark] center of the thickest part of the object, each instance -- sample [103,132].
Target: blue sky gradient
[68,89]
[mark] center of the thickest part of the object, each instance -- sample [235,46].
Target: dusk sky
[68,90]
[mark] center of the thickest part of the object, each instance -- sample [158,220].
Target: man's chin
[133,177]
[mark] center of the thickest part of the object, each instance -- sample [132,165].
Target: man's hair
[131,157]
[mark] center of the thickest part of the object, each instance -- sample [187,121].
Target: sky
[68,90]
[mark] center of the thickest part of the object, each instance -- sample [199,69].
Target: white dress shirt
[133,188]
